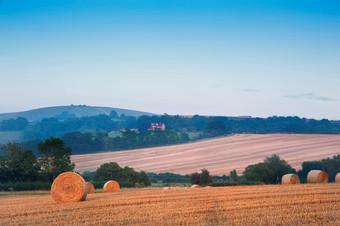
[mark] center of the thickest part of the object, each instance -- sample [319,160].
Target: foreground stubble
[251,205]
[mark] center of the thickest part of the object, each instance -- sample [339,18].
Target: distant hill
[62,112]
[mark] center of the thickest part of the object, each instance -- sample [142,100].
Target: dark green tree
[195,178]
[278,166]
[262,173]
[205,177]
[216,128]
[109,171]
[144,178]
[56,158]
[233,176]
[18,165]
[130,175]
[259,172]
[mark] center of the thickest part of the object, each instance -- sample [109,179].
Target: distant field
[6,136]
[220,155]
[303,204]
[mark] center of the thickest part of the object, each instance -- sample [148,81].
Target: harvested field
[220,155]
[303,204]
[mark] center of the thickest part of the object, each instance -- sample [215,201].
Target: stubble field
[220,155]
[304,204]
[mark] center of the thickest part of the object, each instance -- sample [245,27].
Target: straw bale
[69,187]
[290,179]
[90,188]
[111,186]
[317,176]
[195,186]
[337,178]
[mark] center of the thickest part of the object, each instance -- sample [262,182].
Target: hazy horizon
[228,58]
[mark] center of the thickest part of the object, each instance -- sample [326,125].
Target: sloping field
[303,204]
[220,155]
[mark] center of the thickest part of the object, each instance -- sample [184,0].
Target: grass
[24,193]
[114,135]
[192,135]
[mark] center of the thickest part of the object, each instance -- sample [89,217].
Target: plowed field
[220,155]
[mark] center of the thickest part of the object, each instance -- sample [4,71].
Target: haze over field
[220,155]
[234,58]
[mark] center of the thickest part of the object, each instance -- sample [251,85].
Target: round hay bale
[337,178]
[317,176]
[69,187]
[290,179]
[195,186]
[166,188]
[111,186]
[90,188]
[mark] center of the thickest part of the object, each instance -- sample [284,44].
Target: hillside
[62,112]
[220,155]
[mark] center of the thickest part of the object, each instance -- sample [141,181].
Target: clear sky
[213,57]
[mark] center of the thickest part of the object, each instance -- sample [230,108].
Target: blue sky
[258,58]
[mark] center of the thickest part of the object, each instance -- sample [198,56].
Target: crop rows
[251,205]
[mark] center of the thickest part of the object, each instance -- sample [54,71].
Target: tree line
[270,171]
[206,126]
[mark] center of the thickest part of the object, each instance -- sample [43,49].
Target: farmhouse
[157,126]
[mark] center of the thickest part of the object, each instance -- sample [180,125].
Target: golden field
[303,204]
[219,155]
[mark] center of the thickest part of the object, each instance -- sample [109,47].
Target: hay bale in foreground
[337,178]
[317,176]
[111,186]
[290,179]
[69,187]
[195,186]
[90,188]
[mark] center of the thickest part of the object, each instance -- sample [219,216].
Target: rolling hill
[220,155]
[62,112]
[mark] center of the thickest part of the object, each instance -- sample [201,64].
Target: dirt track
[220,155]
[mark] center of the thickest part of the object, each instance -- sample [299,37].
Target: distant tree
[108,171]
[184,137]
[201,178]
[216,128]
[144,123]
[14,124]
[248,173]
[205,177]
[112,171]
[114,114]
[144,178]
[259,172]
[278,166]
[233,176]
[130,175]
[86,175]
[195,178]
[262,173]
[56,158]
